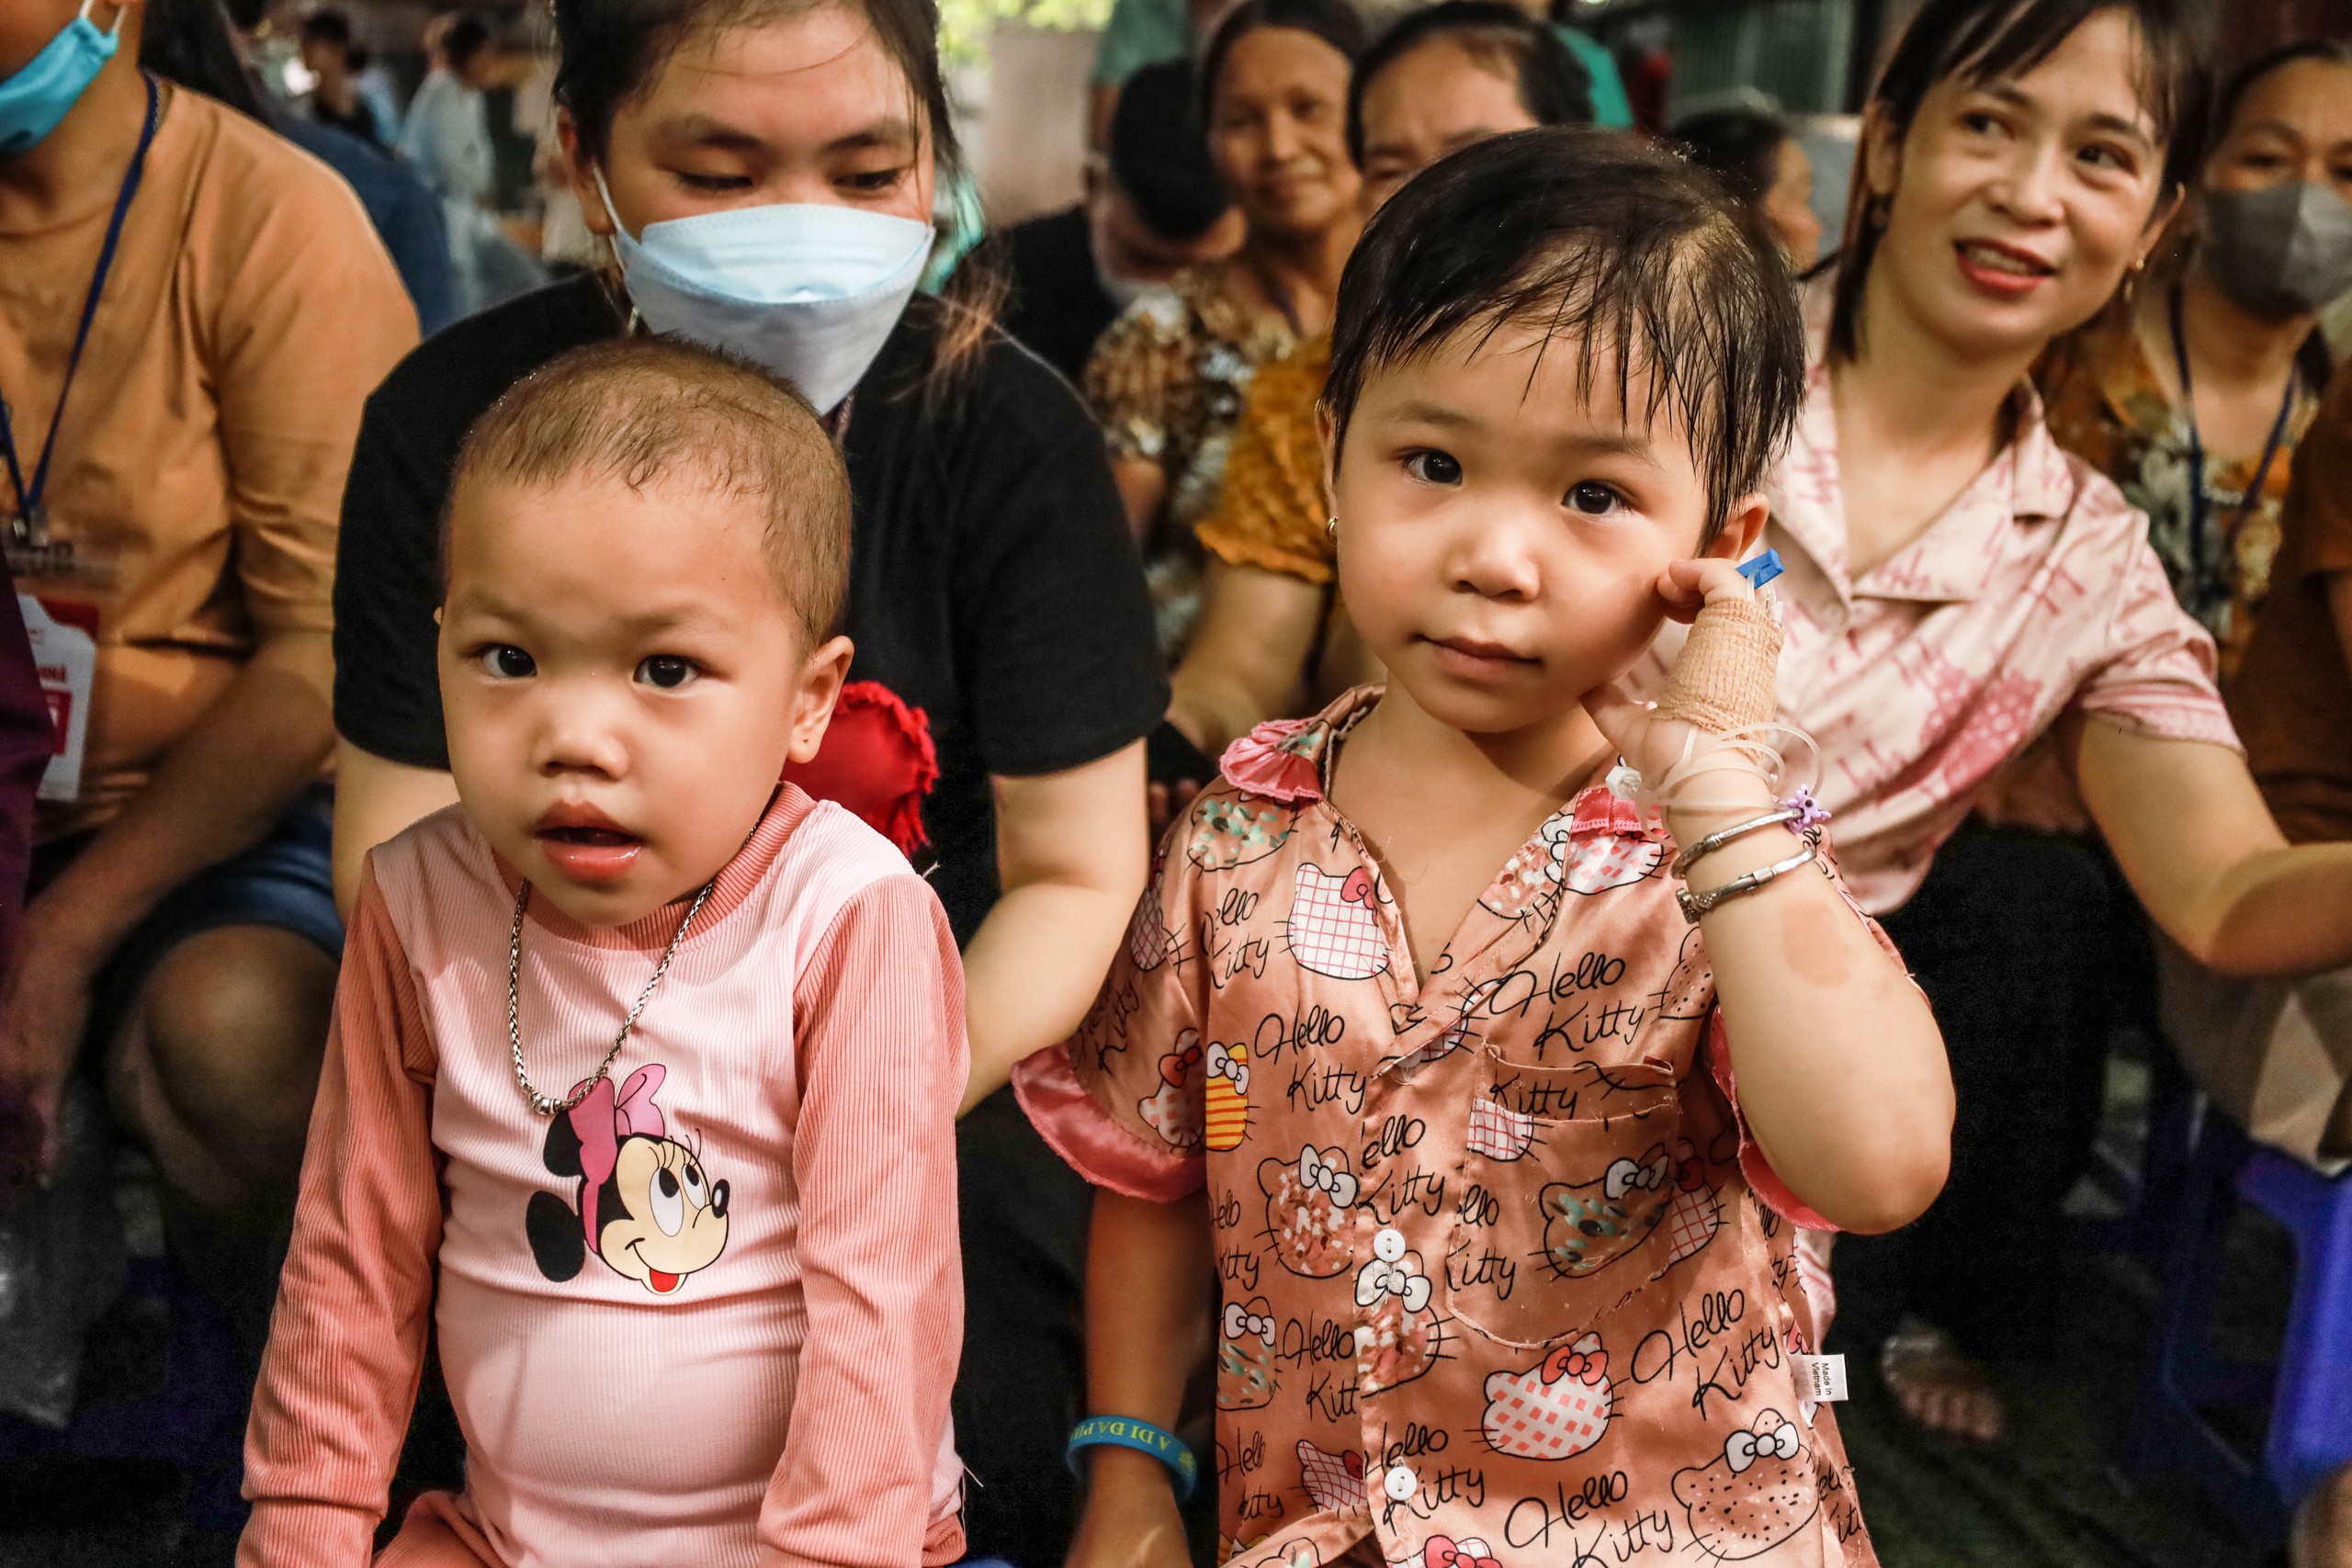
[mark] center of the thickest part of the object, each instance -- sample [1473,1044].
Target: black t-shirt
[993,584]
[1056,305]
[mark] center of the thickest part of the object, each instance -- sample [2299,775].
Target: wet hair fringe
[1619,251]
[1985,40]
[609,51]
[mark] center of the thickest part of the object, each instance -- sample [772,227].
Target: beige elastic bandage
[1724,681]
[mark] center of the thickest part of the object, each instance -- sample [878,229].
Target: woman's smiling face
[2015,206]
[1278,123]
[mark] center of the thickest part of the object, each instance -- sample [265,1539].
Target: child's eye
[665,671]
[1434,468]
[1594,499]
[507,663]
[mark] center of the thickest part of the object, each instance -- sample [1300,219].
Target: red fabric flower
[877,760]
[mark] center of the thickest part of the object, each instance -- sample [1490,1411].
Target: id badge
[64,636]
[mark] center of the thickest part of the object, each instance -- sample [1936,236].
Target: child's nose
[1497,560]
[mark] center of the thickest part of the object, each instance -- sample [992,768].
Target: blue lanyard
[29,497]
[2197,504]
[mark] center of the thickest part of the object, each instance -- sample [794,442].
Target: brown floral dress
[1167,381]
[2105,404]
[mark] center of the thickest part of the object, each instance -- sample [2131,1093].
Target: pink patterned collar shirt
[2034,594]
[1504,1284]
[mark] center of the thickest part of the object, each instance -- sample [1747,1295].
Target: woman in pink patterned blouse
[1959,586]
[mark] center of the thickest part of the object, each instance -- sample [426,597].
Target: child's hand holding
[1721,684]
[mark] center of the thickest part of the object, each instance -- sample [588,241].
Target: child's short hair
[643,408]
[1604,239]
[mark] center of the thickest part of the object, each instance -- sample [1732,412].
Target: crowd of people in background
[2061,519]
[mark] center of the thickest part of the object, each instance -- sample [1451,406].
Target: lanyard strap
[29,497]
[2197,498]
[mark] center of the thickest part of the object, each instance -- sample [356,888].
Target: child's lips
[1478,658]
[585,849]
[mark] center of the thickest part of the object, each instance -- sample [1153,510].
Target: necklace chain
[546,1105]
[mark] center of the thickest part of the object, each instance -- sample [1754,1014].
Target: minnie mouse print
[641,1202]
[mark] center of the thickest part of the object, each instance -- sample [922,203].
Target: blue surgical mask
[808,291]
[48,86]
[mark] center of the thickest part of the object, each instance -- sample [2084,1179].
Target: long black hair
[1983,40]
[613,50]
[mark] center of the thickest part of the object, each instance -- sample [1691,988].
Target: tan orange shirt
[199,470]
[1503,1281]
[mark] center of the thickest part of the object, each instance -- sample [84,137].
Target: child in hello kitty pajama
[1493,1108]
[642,1083]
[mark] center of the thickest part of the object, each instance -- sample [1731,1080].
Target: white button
[1401,1484]
[1389,1245]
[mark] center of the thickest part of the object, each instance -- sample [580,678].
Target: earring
[1331,527]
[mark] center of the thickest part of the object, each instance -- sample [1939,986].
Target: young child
[644,1069]
[1497,1157]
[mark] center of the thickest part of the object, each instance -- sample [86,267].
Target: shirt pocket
[1566,1173]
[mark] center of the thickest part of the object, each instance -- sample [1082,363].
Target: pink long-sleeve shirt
[712,1314]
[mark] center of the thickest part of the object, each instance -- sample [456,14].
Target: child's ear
[821,676]
[1741,531]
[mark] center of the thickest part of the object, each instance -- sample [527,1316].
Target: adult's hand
[44,1010]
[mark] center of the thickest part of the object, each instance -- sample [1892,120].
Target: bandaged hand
[1722,683]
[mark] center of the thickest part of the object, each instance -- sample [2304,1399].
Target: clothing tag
[64,638]
[1821,1377]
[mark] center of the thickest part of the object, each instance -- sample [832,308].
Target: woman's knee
[232,1022]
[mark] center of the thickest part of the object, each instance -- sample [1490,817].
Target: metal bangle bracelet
[1697,904]
[1715,840]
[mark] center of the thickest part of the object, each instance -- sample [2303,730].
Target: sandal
[1939,1387]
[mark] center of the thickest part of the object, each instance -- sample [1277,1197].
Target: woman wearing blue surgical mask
[2191,391]
[764,173]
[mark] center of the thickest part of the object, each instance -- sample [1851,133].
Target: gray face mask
[2282,250]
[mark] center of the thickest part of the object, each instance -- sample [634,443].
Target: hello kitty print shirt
[1502,1281]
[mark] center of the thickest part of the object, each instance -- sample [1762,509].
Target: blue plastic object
[2309,1435]
[1762,569]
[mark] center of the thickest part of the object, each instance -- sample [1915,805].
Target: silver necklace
[544,1104]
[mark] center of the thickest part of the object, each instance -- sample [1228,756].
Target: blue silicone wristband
[1126,1432]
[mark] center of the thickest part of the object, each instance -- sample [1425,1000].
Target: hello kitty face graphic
[1757,1494]
[1227,1093]
[1334,927]
[1393,1271]
[1175,1108]
[1589,1226]
[1555,1409]
[1246,1378]
[1307,1204]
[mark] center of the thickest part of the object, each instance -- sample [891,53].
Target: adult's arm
[375,798]
[1247,658]
[1072,853]
[2192,835]
[881,1059]
[347,1342]
[217,793]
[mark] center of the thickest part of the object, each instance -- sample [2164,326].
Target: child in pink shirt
[1489,1100]
[644,1068]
